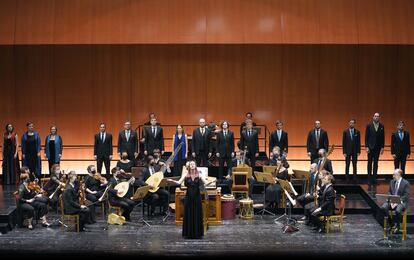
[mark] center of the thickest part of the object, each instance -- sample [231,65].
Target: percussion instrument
[228,207]
[246,209]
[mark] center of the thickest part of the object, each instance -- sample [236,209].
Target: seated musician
[319,161]
[55,185]
[125,203]
[307,199]
[72,204]
[159,198]
[30,200]
[95,184]
[326,203]
[159,161]
[125,164]
[276,156]
[236,162]
[274,191]
[399,187]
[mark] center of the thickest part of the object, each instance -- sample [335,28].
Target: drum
[228,207]
[246,209]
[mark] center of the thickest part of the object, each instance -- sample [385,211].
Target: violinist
[72,203]
[30,200]
[55,185]
[95,185]
[126,204]
[274,191]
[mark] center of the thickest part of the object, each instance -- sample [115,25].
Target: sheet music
[290,198]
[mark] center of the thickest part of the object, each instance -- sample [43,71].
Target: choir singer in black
[317,139]
[102,149]
[200,144]
[351,148]
[400,147]
[374,145]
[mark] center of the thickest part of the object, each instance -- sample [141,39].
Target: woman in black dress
[193,211]
[10,156]
[274,191]
[181,157]
[125,164]
[31,151]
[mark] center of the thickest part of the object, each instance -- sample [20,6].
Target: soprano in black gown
[193,212]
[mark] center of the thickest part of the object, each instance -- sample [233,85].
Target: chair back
[240,182]
[340,207]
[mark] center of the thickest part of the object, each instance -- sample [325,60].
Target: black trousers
[224,158]
[348,159]
[372,167]
[400,161]
[29,209]
[127,205]
[202,158]
[107,162]
[252,159]
[163,199]
[314,157]
[93,198]
[305,202]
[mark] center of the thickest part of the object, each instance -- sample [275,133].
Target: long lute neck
[171,158]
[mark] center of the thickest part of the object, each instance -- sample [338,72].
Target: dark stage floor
[233,237]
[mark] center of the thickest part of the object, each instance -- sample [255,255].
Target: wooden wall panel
[225,21]
[262,21]
[300,21]
[7,76]
[338,21]
[338,88]
[75,94]
[35,93]
[7,21]
[225,84]
[73,21]
[34,21]
[187,21]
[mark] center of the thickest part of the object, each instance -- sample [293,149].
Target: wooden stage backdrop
[78,86]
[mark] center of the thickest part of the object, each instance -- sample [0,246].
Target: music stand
[140,194]
[165,183]
[387,240]
[264,177]
[288,209]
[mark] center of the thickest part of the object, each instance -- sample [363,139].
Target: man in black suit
[201,149]
[317,139]
[351,148]
[142,140]
[306,200]
[249,140]
[399,187]
[154,138]
[326,204]
[319,161]
[249,116]
[279,138]
[102,149]
[71,202]
[128,142]
[374,145]
[224,148]
[159,198]
[400,147]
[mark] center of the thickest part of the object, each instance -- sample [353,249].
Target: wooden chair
[336,220]
[240,184]
[403,226]
[68,218]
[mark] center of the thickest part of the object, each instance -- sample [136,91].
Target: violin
[35,187]
[97,176]
[82,193]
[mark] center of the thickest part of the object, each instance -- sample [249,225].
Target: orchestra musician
[274,191]
[319,161]
[55,185]
[399,187]
[73,204]
[159,198]
[125,203]
[31,200]
[307,199]
[326,203]
[95,185]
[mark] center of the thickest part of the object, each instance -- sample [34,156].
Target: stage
[260,236]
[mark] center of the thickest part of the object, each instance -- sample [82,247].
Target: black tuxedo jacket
[351,145]
[399,147]
[103,149]
[153,142]
[311,144]
[252,142]
[225,146]
[130,146]
[200,142]
[374,140]
[283,143]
